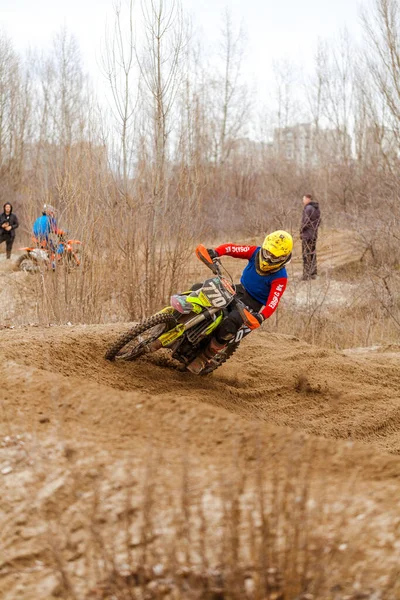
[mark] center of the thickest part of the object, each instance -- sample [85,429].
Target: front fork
[187,322]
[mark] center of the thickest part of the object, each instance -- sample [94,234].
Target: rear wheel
[136,341]
[220,358]
[71,260]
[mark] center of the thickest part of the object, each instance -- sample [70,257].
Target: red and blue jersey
[266,289]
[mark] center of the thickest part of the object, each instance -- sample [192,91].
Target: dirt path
[60,398]
[322,392]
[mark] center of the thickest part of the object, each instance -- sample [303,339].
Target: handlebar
[203,255]
[248,318]
[215,266]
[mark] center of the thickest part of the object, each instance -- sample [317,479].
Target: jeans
[9,240]
[309,258]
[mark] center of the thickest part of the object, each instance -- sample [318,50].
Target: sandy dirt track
[74,429]
[322,392]
[69,402]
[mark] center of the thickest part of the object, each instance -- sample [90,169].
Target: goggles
[270,258]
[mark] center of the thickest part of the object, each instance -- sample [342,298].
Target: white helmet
[49,210]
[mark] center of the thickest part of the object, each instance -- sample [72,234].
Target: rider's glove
[260,318]
[212,253]
[252,320]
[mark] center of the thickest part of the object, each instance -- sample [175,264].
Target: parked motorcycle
[47,256]
[186,326]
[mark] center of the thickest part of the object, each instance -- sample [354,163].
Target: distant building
[380,143]
[295,143]
[305,144]
[248,147]
[333,145]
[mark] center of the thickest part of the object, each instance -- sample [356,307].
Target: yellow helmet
[276,251]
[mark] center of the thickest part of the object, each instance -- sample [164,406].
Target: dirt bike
[186,326]
[42,257]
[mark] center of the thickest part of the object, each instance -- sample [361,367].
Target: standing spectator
[310,221]
[8,225]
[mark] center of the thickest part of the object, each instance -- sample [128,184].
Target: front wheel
[136,341]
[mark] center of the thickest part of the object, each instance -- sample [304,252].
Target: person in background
[8,225]
[261,287]
[45,225]
[310,222]
[47,234]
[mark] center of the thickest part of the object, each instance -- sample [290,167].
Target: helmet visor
[270,258]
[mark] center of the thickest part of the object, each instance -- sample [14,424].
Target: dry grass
[274,528]
[347,308]
[351,306]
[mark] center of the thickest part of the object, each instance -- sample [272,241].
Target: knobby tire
[220,359]
[130,335]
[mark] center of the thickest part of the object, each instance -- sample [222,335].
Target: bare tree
[119,66]
[68,92]
[227,97]
[15,106]
[286,98]
[382,29]
[160,65]
[331,96]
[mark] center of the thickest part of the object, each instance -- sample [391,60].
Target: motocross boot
[154,346]
[198,364]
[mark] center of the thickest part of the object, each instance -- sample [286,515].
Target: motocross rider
[46,224]
[262,284]
[46,232]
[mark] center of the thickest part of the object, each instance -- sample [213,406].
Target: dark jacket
[11,219]
[310,221]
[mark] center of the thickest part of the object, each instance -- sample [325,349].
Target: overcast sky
[276,29]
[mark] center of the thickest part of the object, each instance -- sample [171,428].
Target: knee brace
[226,331]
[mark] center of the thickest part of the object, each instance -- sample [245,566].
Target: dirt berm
[73,423]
